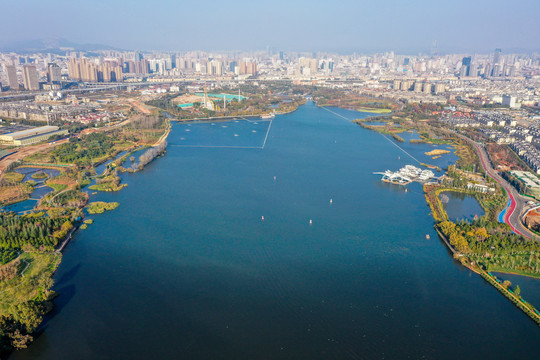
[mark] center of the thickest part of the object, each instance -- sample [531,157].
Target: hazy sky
[303,25]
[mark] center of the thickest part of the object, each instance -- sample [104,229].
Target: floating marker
[274,178]
[310,222]
[331,201]
[262,218]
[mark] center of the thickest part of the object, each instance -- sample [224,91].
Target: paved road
[517,202]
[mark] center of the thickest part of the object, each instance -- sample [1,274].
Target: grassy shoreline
[26,281]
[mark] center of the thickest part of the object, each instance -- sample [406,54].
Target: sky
[346,26]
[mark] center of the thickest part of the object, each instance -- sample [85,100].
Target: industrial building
[31,136]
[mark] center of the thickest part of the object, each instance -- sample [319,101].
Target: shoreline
[532,313]
[226,118]
[518,301]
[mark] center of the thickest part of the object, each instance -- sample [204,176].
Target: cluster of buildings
[529,153]
[46,112]
[502,129]
[496,78]
[87,71]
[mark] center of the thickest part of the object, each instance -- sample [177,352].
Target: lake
[229,247]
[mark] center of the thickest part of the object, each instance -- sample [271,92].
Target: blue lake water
[40,190]
[185,267]
[530,287]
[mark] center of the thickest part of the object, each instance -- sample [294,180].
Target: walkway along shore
[492,280]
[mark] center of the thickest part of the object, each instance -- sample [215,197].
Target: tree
[517,290]
[20,341]
[506,284]
[29,315]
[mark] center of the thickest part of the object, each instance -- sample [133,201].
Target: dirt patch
[532,220]
[503,158]
[10,194]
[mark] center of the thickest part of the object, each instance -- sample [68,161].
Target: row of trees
[140,121]
[151,153]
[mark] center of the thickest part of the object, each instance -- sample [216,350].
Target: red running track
[512,206]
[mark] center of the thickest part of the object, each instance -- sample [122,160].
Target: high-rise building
[12,77]
[497,56]
[248,67]
[465,66]
[473,72]
[509,101]
[487,71]
[108,71]
[406,85]
[30,77]
[74,70]
[54,73]
[439,88]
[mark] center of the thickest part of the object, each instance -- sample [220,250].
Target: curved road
[517,202]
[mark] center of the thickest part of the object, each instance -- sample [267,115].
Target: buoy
[310,222]
[262,218]
[274,178]
[331,201]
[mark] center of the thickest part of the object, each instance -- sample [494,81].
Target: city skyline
[345,27]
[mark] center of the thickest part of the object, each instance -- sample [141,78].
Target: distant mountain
[51,45]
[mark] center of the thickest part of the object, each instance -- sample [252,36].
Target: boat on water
[427,236]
